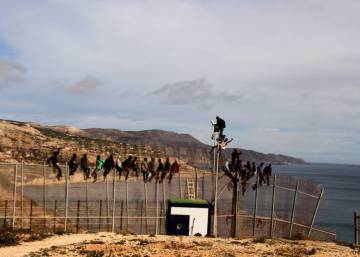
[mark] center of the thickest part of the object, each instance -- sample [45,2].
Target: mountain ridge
[164,143]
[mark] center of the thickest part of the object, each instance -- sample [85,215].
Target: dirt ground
[111,245]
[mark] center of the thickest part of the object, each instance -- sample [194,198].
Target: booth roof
[187,201]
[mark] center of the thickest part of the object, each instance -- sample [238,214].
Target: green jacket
[99,164]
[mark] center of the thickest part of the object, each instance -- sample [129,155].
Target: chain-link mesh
[41,203]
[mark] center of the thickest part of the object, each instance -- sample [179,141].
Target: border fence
[31,198]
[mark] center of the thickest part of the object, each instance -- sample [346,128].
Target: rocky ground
[107,244]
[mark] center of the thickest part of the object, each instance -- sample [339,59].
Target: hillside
[34,142]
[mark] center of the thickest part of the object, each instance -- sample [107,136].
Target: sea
[342,194]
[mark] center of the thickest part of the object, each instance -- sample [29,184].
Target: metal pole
[22,194]
[272,207]
[55,214]
[180,189]
[5,215]
[107,204]
[146,208]
[100,214]
[114,202]
[127,204]
[31,215]
[216,192]
[293,209]
[66,197]
[87,202]
[356,228]
[203,186]
[44,193]
[157,208]
[77,216]
[255,203]
[234,204]
[213,196]
[196,184]
[315,211]
[164,194]
[121,214]
[14,196]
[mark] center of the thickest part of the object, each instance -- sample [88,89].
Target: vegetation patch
[8,238]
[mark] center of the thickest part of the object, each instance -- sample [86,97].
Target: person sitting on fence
[118,167]
[98,167]
[84,164]
[127,167]
[159,170]
[220,124]
[166,170]
[144,169]
[109,164]
[253,169]
[267,173]
[260,171]
[72,164]
[135,167]
[175,168]
[53,162]
[235,156]
[152,172]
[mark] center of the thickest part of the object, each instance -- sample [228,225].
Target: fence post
[356,228]
[44,193]
[272,207]
[77,216]
[5,218]
[141,216]
[114,202]
[22,194]
[87,202]
[216,193]
[121,214]
[180,189]
[196,184]
[255,203]
[203,186]
[146,208]
[315,211]
[234,205]
[107,205]
[100,213]
[157,208]
[66,197]
[293,208]
[14,196]
[164,194]
[55,214]
[31,215]
[127,205]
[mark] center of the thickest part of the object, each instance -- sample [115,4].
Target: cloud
[292,65]
[198,91]
[10,72]
[86,85]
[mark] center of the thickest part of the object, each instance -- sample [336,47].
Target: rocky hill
[34,142]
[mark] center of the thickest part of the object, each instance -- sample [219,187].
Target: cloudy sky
[285,75]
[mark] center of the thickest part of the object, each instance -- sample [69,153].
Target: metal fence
[31,198]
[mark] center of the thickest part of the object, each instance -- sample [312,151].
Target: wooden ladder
[190,192]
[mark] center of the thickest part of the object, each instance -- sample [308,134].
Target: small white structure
[188,217]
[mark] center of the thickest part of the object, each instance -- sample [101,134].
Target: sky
[285,75]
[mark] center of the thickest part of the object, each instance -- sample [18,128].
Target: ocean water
[342,194]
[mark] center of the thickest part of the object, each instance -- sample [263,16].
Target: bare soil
[111,245]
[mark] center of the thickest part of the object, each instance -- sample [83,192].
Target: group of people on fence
[247,170]
[149,168]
